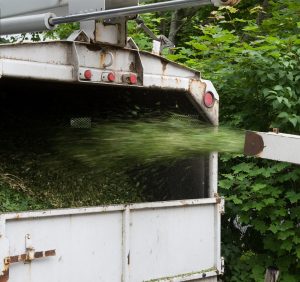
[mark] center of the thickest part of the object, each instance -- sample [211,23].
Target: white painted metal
[166,241]
[78,6]
[13,8]
[25,24]
[169,241]
[280,147]
[68,60]
[78,11]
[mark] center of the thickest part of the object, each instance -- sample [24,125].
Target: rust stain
[13,259]
[102,59]
[23,257]
[5,276]
[50,253]
[38,254]
[164,66]
[132,67]
[218,198]
[254,144]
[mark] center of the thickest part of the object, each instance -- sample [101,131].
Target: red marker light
[88,75]
[133,79]
[130,78]
[111,77]
[108,77]
[209,99]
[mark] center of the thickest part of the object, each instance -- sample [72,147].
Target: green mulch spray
[109,144]
[103,164]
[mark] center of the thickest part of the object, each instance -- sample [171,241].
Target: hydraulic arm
[273,146]
[33,16]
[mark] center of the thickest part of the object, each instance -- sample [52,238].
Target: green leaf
[293,197]
[287,245]
[278,88]
[293,121]
[258,186]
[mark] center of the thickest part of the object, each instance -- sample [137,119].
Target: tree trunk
[178,20]
[262,15]
[174,26]
[272,275]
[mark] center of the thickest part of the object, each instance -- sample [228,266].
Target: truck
[177,238]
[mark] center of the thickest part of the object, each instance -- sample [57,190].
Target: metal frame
[129,214]
[273,146]
[69,60]
[67,63]
[89,10]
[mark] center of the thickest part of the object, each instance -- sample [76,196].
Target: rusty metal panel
[64,61]
[164,241]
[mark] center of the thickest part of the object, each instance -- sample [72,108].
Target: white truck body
[171,241]
[162,241]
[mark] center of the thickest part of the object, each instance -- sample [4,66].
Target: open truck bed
[177,239]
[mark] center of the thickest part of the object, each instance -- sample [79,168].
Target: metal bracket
[221,203]
[112,31]
[79,36]
[75,60]
[29,255]
[160,43]
[222,265]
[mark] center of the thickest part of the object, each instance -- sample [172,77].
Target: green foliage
[263,203]
[63,31]
[256,67]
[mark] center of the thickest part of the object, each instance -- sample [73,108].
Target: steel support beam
[129,11]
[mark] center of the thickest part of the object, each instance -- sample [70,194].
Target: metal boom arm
[47,21]
[273,146]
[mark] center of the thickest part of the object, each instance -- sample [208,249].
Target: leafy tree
[252,55]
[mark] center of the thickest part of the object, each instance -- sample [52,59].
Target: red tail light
[130,78]
[108,77]
[88,75]
[133,79]
[209,99]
